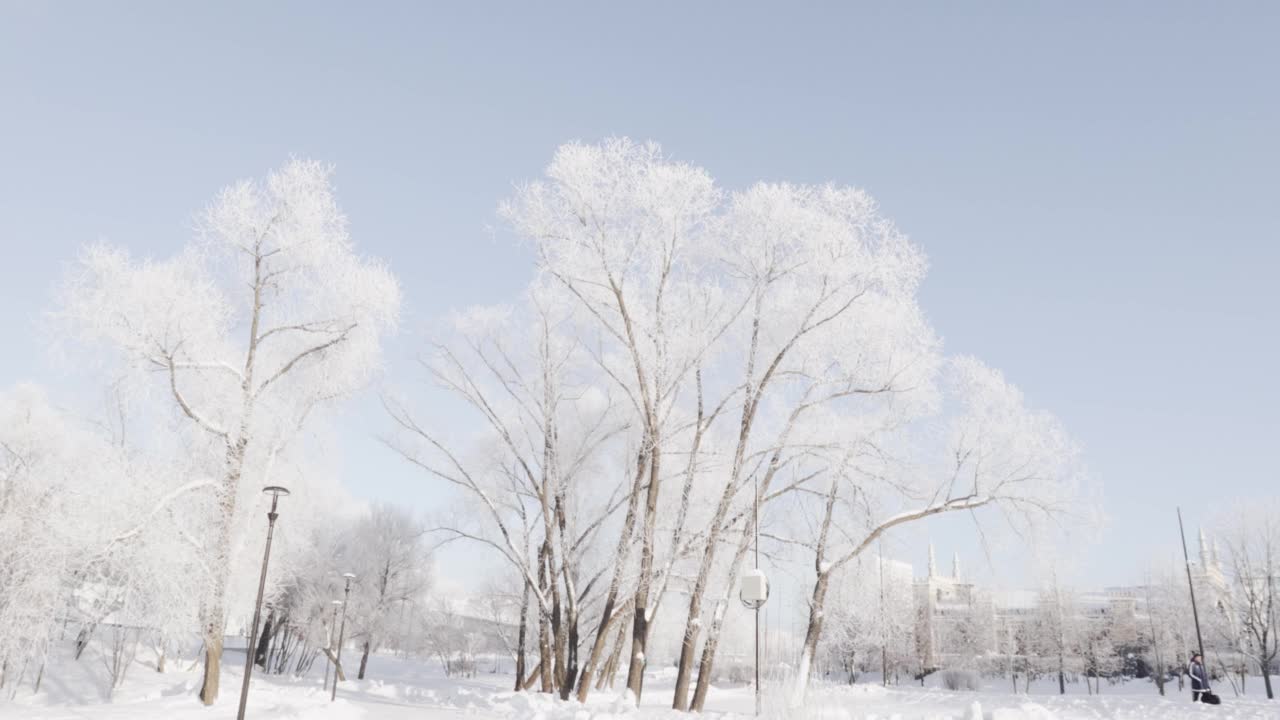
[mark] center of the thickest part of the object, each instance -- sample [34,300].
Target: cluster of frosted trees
[687,360]
[1242,616]
[688,369]
[140,523]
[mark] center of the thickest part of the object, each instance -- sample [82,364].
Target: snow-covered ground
[400,690]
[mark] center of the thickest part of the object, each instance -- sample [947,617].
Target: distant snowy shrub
[960,680]
[739,673]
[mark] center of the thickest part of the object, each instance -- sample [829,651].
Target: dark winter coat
[1199,678]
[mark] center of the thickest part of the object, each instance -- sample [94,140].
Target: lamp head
[275,490]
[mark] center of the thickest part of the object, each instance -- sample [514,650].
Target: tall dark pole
[337,661]
[332,624]
[755,520]
[755,588]
[1186,560]
[275,492]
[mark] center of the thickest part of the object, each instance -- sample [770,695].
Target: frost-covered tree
[536,486]
[1098,653]
[828,287]
[1253,557]
[392,563]
[751,347]
[998,453]
[267,315]
[871,623]
[1057,633]
[621,229]
[51,472]
[1166,638]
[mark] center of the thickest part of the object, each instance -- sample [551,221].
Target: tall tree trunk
[557,623]
[546,655]
[712,643]
[611,664]
[531,679]
[623,551]
[545,659]
[706,665]
[640,624]
[263,651]
[822,578]
[212,662]
[571,656]
[812,634]
[364,659]
[215,602]
[522,637]
[610,668]
[615,658]
[548,497]
[568,569]
[693,621]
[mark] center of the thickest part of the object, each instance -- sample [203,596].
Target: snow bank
[414,690]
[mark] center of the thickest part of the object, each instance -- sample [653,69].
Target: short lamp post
[342,631]
[276,492]
[754,592]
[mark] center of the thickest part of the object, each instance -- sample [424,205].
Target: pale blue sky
[1095,183]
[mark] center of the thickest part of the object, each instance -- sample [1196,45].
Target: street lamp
[275,491]
[329,643]
[337,661]
[754,591]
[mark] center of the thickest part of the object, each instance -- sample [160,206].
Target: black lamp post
[275,491]
[342,631]
[332,624]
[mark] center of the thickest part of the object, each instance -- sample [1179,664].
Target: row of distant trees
[875,625]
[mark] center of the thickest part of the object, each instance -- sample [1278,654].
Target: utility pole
[756,521]
[754,591]
[1186,561]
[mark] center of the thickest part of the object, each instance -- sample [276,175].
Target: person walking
[1199,679]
